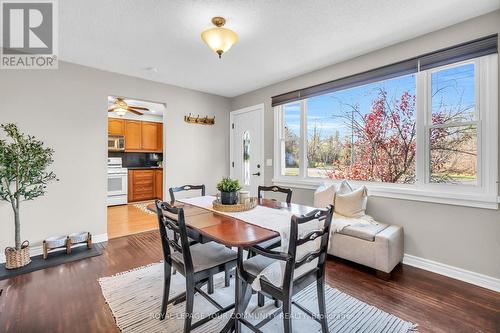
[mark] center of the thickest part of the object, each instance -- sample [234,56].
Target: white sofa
[360,238]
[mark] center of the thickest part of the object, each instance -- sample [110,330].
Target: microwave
[116,143]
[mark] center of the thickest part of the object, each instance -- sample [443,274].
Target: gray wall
[66,109]
[463,237]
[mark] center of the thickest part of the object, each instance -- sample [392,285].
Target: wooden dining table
[208,225]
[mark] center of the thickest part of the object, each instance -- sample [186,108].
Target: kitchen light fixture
[219,39]
[120,107]
[120,112]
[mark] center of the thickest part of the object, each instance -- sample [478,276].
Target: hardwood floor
[126,220]
[67,298]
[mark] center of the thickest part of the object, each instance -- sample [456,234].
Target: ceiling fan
[120,107]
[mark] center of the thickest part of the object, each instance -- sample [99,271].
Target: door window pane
[291,136]
[246,158]
[454,155]
[453,95]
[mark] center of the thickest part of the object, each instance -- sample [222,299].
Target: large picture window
[364,133]
[431,132]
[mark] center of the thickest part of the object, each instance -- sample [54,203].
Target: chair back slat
[173,190]
[275,189]
[308,258]
[170,217]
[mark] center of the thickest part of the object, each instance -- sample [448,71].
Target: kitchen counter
[145,168]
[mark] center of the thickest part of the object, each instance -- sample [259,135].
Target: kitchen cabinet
[133,135]
[160,137]
[159,184]
[140,136]
[116,126]
[149,136]
[145,184]
[141,185]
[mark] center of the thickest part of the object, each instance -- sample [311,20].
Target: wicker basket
[239,207]
[17,258]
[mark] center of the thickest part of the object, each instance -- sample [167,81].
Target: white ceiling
[278,39]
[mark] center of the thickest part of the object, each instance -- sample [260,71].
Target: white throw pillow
[344,187]
[351,203]
[324,195]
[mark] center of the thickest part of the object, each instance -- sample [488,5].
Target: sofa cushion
[365,231]
[351,204]
[324,195]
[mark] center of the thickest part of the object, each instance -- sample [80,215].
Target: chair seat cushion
[271,243]
[207,255]
[365,231]
[258,263]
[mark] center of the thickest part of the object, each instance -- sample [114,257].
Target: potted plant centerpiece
[229,191]
[23,176]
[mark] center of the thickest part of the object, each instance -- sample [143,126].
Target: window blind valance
[469,50]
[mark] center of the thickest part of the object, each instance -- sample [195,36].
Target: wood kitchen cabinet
[140,136]
[149,136]
[145,184]
[159,184]
[133,135]
[160,137]
[141,185]
[116,126]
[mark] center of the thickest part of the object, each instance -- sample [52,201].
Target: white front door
[247,150]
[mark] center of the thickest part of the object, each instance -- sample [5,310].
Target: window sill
[405,192]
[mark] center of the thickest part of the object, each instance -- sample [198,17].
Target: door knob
[256,174]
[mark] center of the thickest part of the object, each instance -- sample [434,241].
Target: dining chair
[197,262]
[304,265]
[274,242]
[275,189]
[173,190]
[193,234]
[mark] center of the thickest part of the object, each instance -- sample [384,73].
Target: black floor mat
[54,259]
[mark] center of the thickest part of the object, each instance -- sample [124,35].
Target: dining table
[209,225]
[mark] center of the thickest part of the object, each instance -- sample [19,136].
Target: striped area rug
[135,300]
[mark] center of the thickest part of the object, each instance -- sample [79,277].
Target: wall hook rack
[199,120]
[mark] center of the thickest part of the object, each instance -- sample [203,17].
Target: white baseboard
[37,250]
[477,279]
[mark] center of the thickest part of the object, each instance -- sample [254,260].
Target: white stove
[117,182]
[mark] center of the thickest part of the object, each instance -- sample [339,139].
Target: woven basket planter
[17,258]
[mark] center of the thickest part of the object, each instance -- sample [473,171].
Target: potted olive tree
[23,176]
[229,191]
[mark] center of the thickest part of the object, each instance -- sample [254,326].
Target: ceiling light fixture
[120,112]
[219,39]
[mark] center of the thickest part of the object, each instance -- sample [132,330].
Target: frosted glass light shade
[219,39]
[121,112]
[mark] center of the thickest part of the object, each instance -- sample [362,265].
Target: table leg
[233,325]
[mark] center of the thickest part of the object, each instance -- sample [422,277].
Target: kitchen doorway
[135,164]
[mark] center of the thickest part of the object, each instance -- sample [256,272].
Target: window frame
[484,194]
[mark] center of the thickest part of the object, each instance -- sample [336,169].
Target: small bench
[379,246]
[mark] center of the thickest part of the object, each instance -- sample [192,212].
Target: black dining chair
[274,242]
[275,189]
[197,262]
[296,276]
[193,235]
[174,190]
